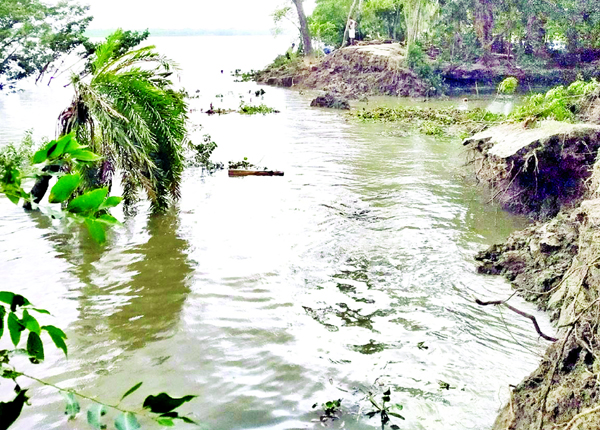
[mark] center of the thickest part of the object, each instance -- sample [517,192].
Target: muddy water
[264,296]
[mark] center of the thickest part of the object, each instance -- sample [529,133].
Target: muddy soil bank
[373,68]
[486,77]
[354,71]
[554,262]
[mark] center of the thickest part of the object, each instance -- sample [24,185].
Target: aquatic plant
[384,410]
[253,110]
[201,154]
[331,410]
[438,122]
[244,76]
[243,165]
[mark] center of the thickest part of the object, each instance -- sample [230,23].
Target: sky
[252,15]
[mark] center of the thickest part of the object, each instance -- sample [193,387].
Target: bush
[508,86]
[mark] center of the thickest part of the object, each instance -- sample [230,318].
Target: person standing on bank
[352,31]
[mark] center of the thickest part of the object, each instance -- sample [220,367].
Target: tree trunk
[483,17]
[41,185]
[306,42]
[348,22]
[535,37]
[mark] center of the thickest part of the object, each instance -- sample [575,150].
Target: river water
[264,296]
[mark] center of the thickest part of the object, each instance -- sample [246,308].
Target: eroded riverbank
[551,172]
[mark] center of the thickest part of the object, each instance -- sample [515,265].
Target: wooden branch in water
[523,314]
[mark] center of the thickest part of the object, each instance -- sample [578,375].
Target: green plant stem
[83,396]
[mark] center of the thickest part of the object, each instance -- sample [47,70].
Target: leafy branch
[19,319]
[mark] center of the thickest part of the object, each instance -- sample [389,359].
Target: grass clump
[508,86]
[560,103]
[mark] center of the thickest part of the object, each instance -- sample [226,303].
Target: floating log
[239,172]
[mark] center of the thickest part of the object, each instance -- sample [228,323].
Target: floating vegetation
[435,122]
[253,110]
[244,76]
[331,410]
[201,153]
[243,165]
[560,103]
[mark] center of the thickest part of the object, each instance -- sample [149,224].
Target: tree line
[567,31]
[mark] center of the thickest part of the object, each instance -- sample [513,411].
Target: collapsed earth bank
[551,172]
[379,68]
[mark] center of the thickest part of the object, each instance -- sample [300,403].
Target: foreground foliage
[65,159]
[16,314]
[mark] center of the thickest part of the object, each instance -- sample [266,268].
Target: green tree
[33,35]
[328,21]
[298,19]
[127,111]
[383,18]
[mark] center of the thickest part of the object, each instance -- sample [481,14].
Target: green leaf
[41,311]
[111,202]
[88,202]
[58,148]
[164,403]
[166,422]
[187,420]
[64,187]
[132,390]
[94,414]
[15,328]
[9,374]
[72,146]
[96,230]
[72,407]
[30,323]
[40,156]
[14,199]
[58,337]
[108,219]
[10,411]
[85,155]
[6,297]
[394,414]
[35,347]
[14,300]
[2,315]
[127,421]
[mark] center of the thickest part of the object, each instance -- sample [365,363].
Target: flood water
[266,295]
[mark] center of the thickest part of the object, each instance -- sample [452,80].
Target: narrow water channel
[264,296]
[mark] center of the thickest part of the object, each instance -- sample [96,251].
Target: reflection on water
[264,296]
[137,294]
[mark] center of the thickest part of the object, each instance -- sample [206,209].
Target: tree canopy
[33,35]
[469,30]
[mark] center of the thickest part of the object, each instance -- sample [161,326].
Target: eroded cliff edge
[551,172]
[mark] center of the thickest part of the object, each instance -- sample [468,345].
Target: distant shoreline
[186,32]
